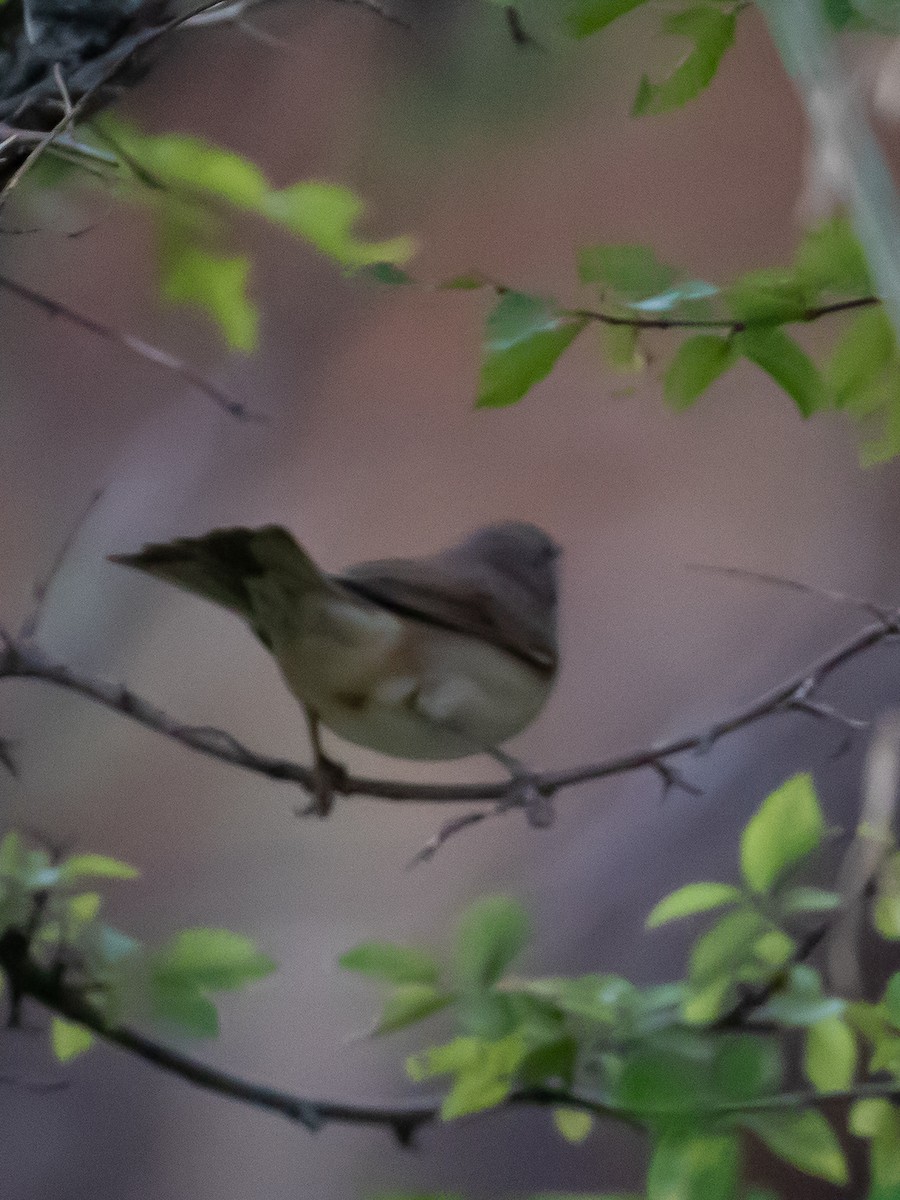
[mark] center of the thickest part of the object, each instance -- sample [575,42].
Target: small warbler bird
[424,658]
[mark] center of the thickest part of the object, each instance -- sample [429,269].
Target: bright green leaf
[787,827]
[409,1003]
[584,17]
[694,1166]
[575,1124]
[183,1008]
[770,296]
[778,355]
[83,908]
[213,959]
[861,353]
[596,997]
[886,909]
[524,337]
[830,259]
[725,947]
[393,963]
[800,1001]
[215,283]
[804,1139]
[892,1000]
[325,215]
[621,348]
[829,1058]
[97,865]
[698,362]
[633,272]
[712,32]
[690,899]
[774,947]
[68,1039]
[807,900]
[492,932]
[687,296]
[879,1121]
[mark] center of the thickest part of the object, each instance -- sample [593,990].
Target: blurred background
[504,159]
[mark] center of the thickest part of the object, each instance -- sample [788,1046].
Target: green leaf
[690,899]
[861,353]
[801,1001]
[387,273]
[746,1066]
[462,1054]
[774,947]
[886,909]
[393,963]
[771,296]
[792,369]
[68,1039]
[215,283]
[486,1014]
[409,1003]
[12,855]
[830,259]
[213,959]
[83,909]
[712,32]
[686,297]
[892,1000]
[787,827]
[804,1139]
[694,1167]
[492,933]
[884,15]
[483,1071]
[698,362]
[584,17]
[325,215]
[621,348]
[96,865]
[524,337]
[575,1124]
[596,997]
[725,947]
[633,272]
[184,1008]
[879,1121]
[829,1057]
[807,900]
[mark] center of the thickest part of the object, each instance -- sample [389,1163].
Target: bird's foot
[524,793]
[329,780]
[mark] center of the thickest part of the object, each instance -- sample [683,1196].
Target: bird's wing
[222,565]
[431,590]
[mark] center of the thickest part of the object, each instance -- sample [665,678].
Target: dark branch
[728,324]
[26,661]
[134,345]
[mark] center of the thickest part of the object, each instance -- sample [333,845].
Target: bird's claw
[329,779]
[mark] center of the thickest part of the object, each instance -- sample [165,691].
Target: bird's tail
[228,566]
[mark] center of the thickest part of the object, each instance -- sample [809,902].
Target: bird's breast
[407,688]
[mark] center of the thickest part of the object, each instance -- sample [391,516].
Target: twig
[136,346]
[882,611]
[27,661]
[28,979]
[42,587]
[725,323]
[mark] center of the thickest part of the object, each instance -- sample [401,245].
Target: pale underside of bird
[430,658]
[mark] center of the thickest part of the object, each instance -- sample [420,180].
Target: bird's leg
[538,807]
[329,776]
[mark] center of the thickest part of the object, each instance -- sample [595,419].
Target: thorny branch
[28,979]
[23,659]
[134,345]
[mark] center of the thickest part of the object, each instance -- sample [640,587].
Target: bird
[431,658]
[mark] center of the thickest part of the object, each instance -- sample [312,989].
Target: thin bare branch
[136,346]
[881,611]
[27,661]
[42,588]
